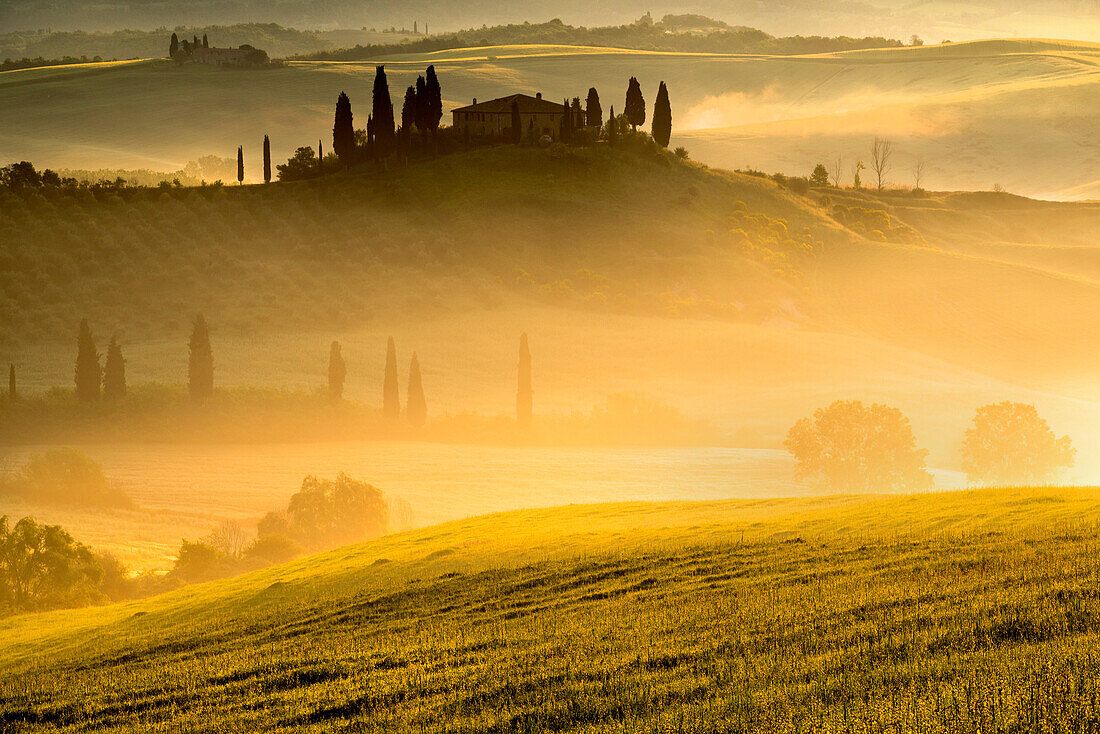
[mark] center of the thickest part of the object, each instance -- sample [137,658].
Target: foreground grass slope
[951,612]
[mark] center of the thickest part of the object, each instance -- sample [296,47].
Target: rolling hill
[925,613]
[1011,113]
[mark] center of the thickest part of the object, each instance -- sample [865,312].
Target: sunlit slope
[607,615]
[628,274]
[1016,113]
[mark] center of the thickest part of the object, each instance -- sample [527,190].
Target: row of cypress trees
[416,408]
[109,381]
[592,116]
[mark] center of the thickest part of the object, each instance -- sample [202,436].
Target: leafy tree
[240,164]
[88,373]
[523,393]
[662,117]
[343,131]
[337,371]
[173,46]
[326,513]
[391,401]
[851,447]
[114,372]
[42,567]
[416,409]
[435,100]
[635,104]
[198,561]
[200,364]
[382,116]
[1009,443]
[593,112]
[267,550]
[566,133]
[267,160]
[64,476]
[820,176]
[516,129]
[302,165]
[11,382]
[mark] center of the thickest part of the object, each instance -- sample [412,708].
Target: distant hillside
[672,33]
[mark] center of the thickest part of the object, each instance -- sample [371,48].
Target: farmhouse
[538,117]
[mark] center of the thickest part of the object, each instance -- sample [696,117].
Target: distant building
[494,118]
[245,55]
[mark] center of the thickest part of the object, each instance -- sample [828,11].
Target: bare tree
[918,173]
[882,150]
[229,538]
[836,170]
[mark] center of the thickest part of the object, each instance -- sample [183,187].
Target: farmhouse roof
[527,105]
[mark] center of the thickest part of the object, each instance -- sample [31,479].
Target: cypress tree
[635,104]
[435,99]
[416,409]
[343,131]
[200,363]
[11,382]
[173,46]
[114,372]
[205,43]
[612,129]
[566,134]
[408,113]
[523,393]
[88,373]
[337,371]
[383,115]
[195,43]
[267,160]
[593,113]
[422,105]
[662,117]
[391,401]
[320,158]
[578,114]
[517,124]
[240,165]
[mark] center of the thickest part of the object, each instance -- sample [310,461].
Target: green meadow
[966,611]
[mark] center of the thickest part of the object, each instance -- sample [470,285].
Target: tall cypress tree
[416,409]
[320,158]
[200,363]
[578,114]
[523,392]
[240,165]
[114,372]
[566,135]
[343,131]
[435,99]
[173,46]
[88,373]
[267,160]
[205,43]
[391,401]
[593,113]
[517,124]
[662,117]
[337,371]
[422,114]
[11,382]
[408,114]
[635,104]
[382,115]
[612,129]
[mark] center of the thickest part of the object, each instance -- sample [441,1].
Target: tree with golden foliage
[851,447]
[1009,443]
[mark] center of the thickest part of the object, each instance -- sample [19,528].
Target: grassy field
[970,611]
[959,107]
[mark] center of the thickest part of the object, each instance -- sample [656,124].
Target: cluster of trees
[881,154]
[63,476]
[108,380]
[9,64]
[693,33]
[852,447]
[416,407]
[181,51]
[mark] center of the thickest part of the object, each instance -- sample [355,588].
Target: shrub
[65,476]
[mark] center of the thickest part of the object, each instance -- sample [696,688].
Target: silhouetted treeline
[665,35]
[26,63]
